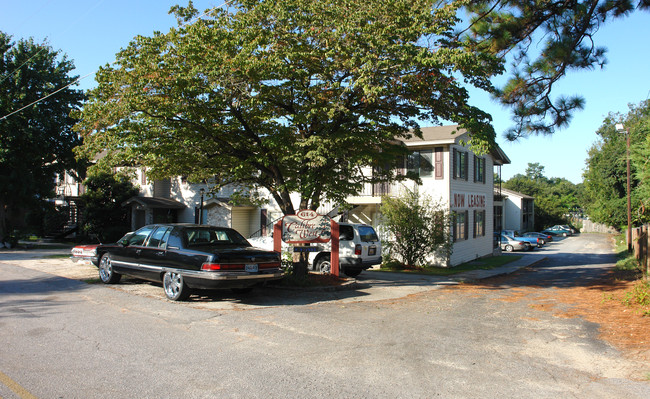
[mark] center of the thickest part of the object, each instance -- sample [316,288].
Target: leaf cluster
[605,176]
[544,40]
[37,142]
[418,226]
[103,214]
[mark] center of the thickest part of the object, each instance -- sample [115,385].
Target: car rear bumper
[359,263]
[213,280]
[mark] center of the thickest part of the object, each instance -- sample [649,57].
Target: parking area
[371,285]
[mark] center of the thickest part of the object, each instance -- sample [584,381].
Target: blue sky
[91,32]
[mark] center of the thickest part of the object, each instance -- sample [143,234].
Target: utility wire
[227,2]
[46,97]
[44,47]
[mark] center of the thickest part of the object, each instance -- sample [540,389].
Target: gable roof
[448,135]
[155,203]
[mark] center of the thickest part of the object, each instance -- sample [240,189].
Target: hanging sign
[306,226]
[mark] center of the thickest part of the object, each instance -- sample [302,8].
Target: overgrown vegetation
[605,177]
[629,268]
[103,214]
[418,226]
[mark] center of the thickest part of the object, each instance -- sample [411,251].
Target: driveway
[68,339]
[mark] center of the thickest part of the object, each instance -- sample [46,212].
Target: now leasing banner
[468,200]
[306,226]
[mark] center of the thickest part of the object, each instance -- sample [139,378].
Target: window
[139,236]
[159,237]
[346,233]
[208,236]
[479,169]
[460,164]
[479,223]
[420,162]
[367,234]
[460,226]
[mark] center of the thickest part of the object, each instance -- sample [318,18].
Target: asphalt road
[63,338]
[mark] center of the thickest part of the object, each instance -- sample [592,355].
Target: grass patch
[479,264]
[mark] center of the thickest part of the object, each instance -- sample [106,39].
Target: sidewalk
[374,277]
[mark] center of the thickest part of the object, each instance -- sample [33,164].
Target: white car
[359,249]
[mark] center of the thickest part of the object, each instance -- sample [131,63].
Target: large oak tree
[291,95]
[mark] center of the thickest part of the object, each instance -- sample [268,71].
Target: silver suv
[359,249]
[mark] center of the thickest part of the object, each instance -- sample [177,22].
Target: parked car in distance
[534,241]
[567,227]
[84,253]
[359,249]
[557,231]
[545,238]
[510,244]
[185,257]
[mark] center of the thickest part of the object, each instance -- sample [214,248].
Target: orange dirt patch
[624,325]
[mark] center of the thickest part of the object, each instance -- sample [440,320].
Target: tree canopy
[296,96]
[35,143]
[103,214]
[555,198]
[605,177]
[293,95]
[544,40]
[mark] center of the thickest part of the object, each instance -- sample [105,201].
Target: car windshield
[367,234]
[210,236]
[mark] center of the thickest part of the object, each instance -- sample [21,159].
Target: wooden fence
[640,244]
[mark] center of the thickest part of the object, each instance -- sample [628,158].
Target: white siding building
[450,174]
[453,175]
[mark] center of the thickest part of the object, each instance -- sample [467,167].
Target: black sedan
[187,256]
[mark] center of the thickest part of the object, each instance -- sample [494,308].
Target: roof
[448,135]
[155,203]
[506,192]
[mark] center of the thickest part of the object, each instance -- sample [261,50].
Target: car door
[126,258]
[153,256]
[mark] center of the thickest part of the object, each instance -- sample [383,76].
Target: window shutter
[465,166]
[454,163]
[475,224]
[439,168]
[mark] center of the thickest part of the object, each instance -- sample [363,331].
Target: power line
[227,2]
[44,47]
[46,97]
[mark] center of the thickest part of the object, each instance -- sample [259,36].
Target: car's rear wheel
[324,265]
[175,287]
[106,272]
[509,248]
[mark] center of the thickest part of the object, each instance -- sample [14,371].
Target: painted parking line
[14,386]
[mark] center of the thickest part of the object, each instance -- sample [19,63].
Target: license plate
[372,251]
[251,267]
